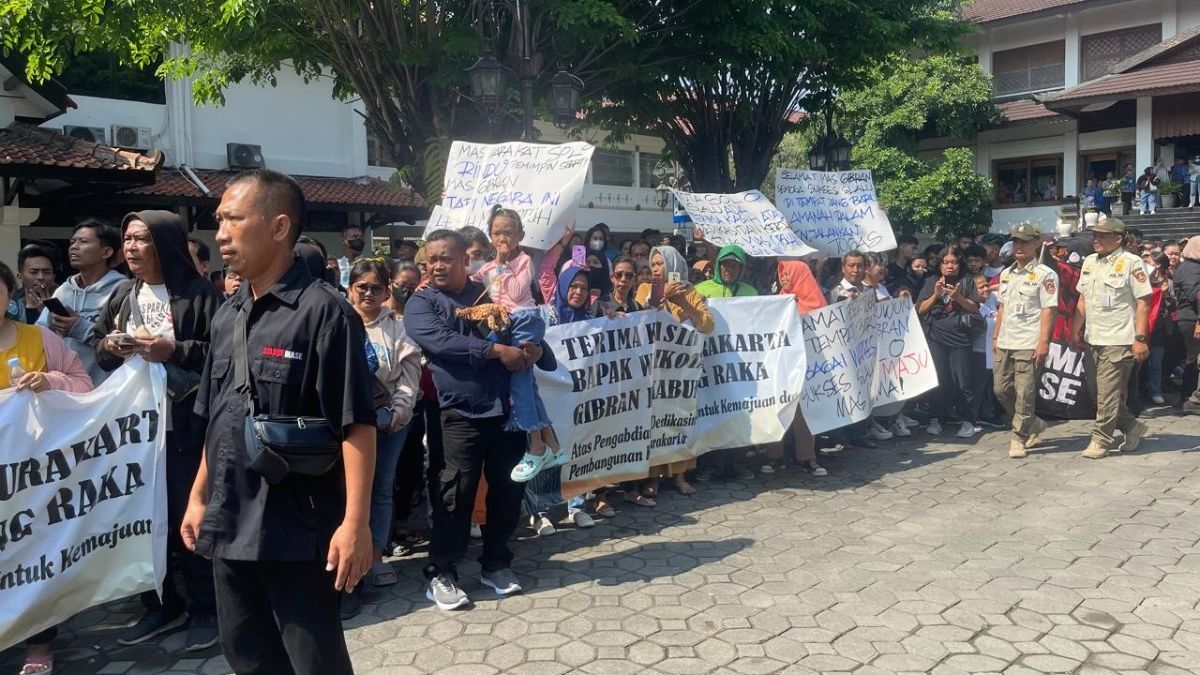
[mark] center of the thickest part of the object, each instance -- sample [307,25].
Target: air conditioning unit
[91,134]
[244,156]
[130,137]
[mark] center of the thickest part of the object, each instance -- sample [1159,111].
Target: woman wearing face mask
[479,249]
[909,284]
[569,304]
[597,240]
[669,291]
[599,277]
[405,279]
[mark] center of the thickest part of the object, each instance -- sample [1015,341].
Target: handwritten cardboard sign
[747,219]
[541,182]
[834,211]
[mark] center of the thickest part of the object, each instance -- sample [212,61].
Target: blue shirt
[466,379]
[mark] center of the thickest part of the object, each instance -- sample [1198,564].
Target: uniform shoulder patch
[1139,275]
[1048,284]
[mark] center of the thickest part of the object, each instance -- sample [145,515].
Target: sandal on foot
[529,467]
[606,511]
[640,500]
[38,665]
[382,574]
[685,489]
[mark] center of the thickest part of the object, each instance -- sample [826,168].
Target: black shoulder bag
[971,323]
[280,444]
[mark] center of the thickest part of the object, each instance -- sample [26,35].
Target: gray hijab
[673,261]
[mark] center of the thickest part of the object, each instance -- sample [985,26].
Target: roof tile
[1168,78]
[28,145]
[362,191]
[983,11]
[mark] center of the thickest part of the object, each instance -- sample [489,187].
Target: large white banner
[834,211]
[82,498]
[541,182]
[753,370]
[862,354]
[747,219]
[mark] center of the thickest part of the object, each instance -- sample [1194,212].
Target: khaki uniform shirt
[1024,293]
[1110,287]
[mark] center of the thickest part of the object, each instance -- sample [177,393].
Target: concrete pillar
[178,141]
[1071,62]
[1070,176]
[1170,18]
[985,51]
[1144,135]
[12,219]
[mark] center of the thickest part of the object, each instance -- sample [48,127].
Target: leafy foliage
[902,102]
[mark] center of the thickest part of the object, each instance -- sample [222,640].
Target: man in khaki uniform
[1112,320]
[1028,301]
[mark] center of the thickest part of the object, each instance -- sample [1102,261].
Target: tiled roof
[1026,110]
[984,11]
[365,193]
[1169,78]
[26,146]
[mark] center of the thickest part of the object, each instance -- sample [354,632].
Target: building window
[647,162]
[377,152]
[1025,182]
[1105,50]
[612,167]
[1025,69]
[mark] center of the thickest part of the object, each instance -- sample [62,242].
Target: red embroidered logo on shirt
[281,353]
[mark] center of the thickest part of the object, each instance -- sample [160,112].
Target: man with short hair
[200,254]
[1112,318]
[993,243]
[640,252]
[35,271]
[471,374]
[289,346]
[906,250]
[975,256]
[1021,339]
[352,247]
[854,273]
[406,251]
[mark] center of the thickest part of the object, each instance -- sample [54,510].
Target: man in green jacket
[727,282]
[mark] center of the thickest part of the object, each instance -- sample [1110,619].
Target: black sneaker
[201,633]
[352,603]
[156,622]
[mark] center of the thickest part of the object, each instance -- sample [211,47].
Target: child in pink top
[508,279]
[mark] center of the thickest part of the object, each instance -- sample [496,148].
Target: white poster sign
[82,498]
[905,367]
[834,211]
[541,182]
[753,372]
[840,364]
[747,219]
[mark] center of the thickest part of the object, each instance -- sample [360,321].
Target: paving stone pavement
[924,556]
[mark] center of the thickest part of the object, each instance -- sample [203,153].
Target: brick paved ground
[941,557]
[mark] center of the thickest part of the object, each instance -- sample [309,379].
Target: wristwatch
[1140,338]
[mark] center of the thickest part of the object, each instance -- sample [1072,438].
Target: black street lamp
[489,79]
[565,89]
[489,82]
[831,153]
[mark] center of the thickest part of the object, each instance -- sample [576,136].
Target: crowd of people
[1144,192]
[419,365]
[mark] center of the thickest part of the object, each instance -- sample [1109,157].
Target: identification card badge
[1106,301]
[1020,309]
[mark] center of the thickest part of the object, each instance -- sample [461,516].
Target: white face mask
[475,265]
[597,244]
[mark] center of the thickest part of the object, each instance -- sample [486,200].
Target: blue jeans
[387,454]
[1194,192]
[528,413]
[1149,201]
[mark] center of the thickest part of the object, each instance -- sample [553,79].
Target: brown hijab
[1192,250]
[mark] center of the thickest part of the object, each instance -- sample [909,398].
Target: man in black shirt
[281,553]
[471,374]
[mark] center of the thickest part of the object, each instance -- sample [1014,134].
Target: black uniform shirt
[306,358]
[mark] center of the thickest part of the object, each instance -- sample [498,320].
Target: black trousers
[957,385]
[195,570]
[280,618]
[411,467]
[1191,352]
[472,447]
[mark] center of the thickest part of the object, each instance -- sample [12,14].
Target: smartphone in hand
[672,277]
[56,307]
[579,257]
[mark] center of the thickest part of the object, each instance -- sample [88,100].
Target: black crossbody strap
[241,362]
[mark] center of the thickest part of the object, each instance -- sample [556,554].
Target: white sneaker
[907,421]
[476,531]
[582,520]
[1157,400]
[966,430]
[1152,213]
[543,526]
[900,430]
[878,433]
[935,427]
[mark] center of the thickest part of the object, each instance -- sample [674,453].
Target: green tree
[901,102]
[748,67]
